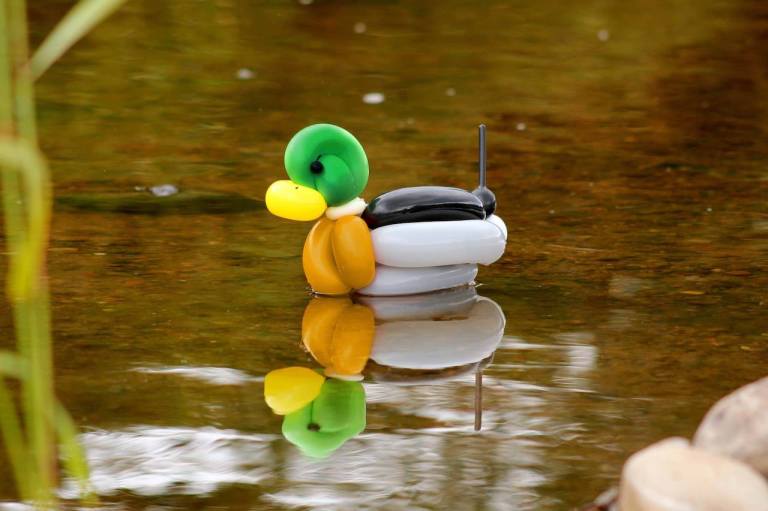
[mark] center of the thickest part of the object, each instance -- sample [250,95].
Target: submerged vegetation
[36,424]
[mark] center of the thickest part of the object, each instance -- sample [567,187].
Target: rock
[737,426]
[672,476]
[607,501]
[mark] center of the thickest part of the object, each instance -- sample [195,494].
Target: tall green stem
[11,191]
[9,422]
[11,431]
[6,91]
[24,93]
[27,207]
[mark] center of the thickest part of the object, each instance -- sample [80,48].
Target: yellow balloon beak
[289,200]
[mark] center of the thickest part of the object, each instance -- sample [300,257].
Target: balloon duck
[407,241]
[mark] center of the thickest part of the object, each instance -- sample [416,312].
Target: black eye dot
[316,167]
[313,426]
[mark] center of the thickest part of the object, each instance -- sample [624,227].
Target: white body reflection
[441,341]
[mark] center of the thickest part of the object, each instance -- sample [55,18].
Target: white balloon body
[498,222]
[438,343]
[425,244]
[391,281]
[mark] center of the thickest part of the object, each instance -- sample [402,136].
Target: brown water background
[628,152]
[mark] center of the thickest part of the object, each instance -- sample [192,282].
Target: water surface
[627,149]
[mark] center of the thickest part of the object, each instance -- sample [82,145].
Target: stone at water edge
[672,476]
[606,501]
[737,426]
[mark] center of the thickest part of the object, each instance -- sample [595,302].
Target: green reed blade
[73,455]
[76,23]
[11,190]
[30,163]
[26,272]
[12,365]
[24,96]
[14,441]
[6,80]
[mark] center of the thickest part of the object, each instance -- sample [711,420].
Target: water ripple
[167,460]
[211,375]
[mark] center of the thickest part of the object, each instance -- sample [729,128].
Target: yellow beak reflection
[289,200]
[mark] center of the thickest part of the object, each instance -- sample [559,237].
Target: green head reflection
[324,425]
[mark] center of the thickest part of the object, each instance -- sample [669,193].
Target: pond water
[628,152]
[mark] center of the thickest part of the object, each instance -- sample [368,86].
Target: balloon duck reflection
[410,240]
[400,340]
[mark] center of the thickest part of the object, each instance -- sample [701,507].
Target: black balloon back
[423,204]
[434,203]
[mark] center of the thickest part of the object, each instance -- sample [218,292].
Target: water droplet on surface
[373,98]
[450,91]
[603,35]
[521,126]
[245,74]
[360,27]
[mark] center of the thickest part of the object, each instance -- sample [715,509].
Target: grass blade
[74,459]
[6,80]
[24,157]
[14,442]
[23,89]
[76,24]
[12,365]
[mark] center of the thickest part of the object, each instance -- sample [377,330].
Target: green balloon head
[329,159]
[324,425]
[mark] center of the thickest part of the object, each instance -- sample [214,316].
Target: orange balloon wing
[319,265]
[353,251]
